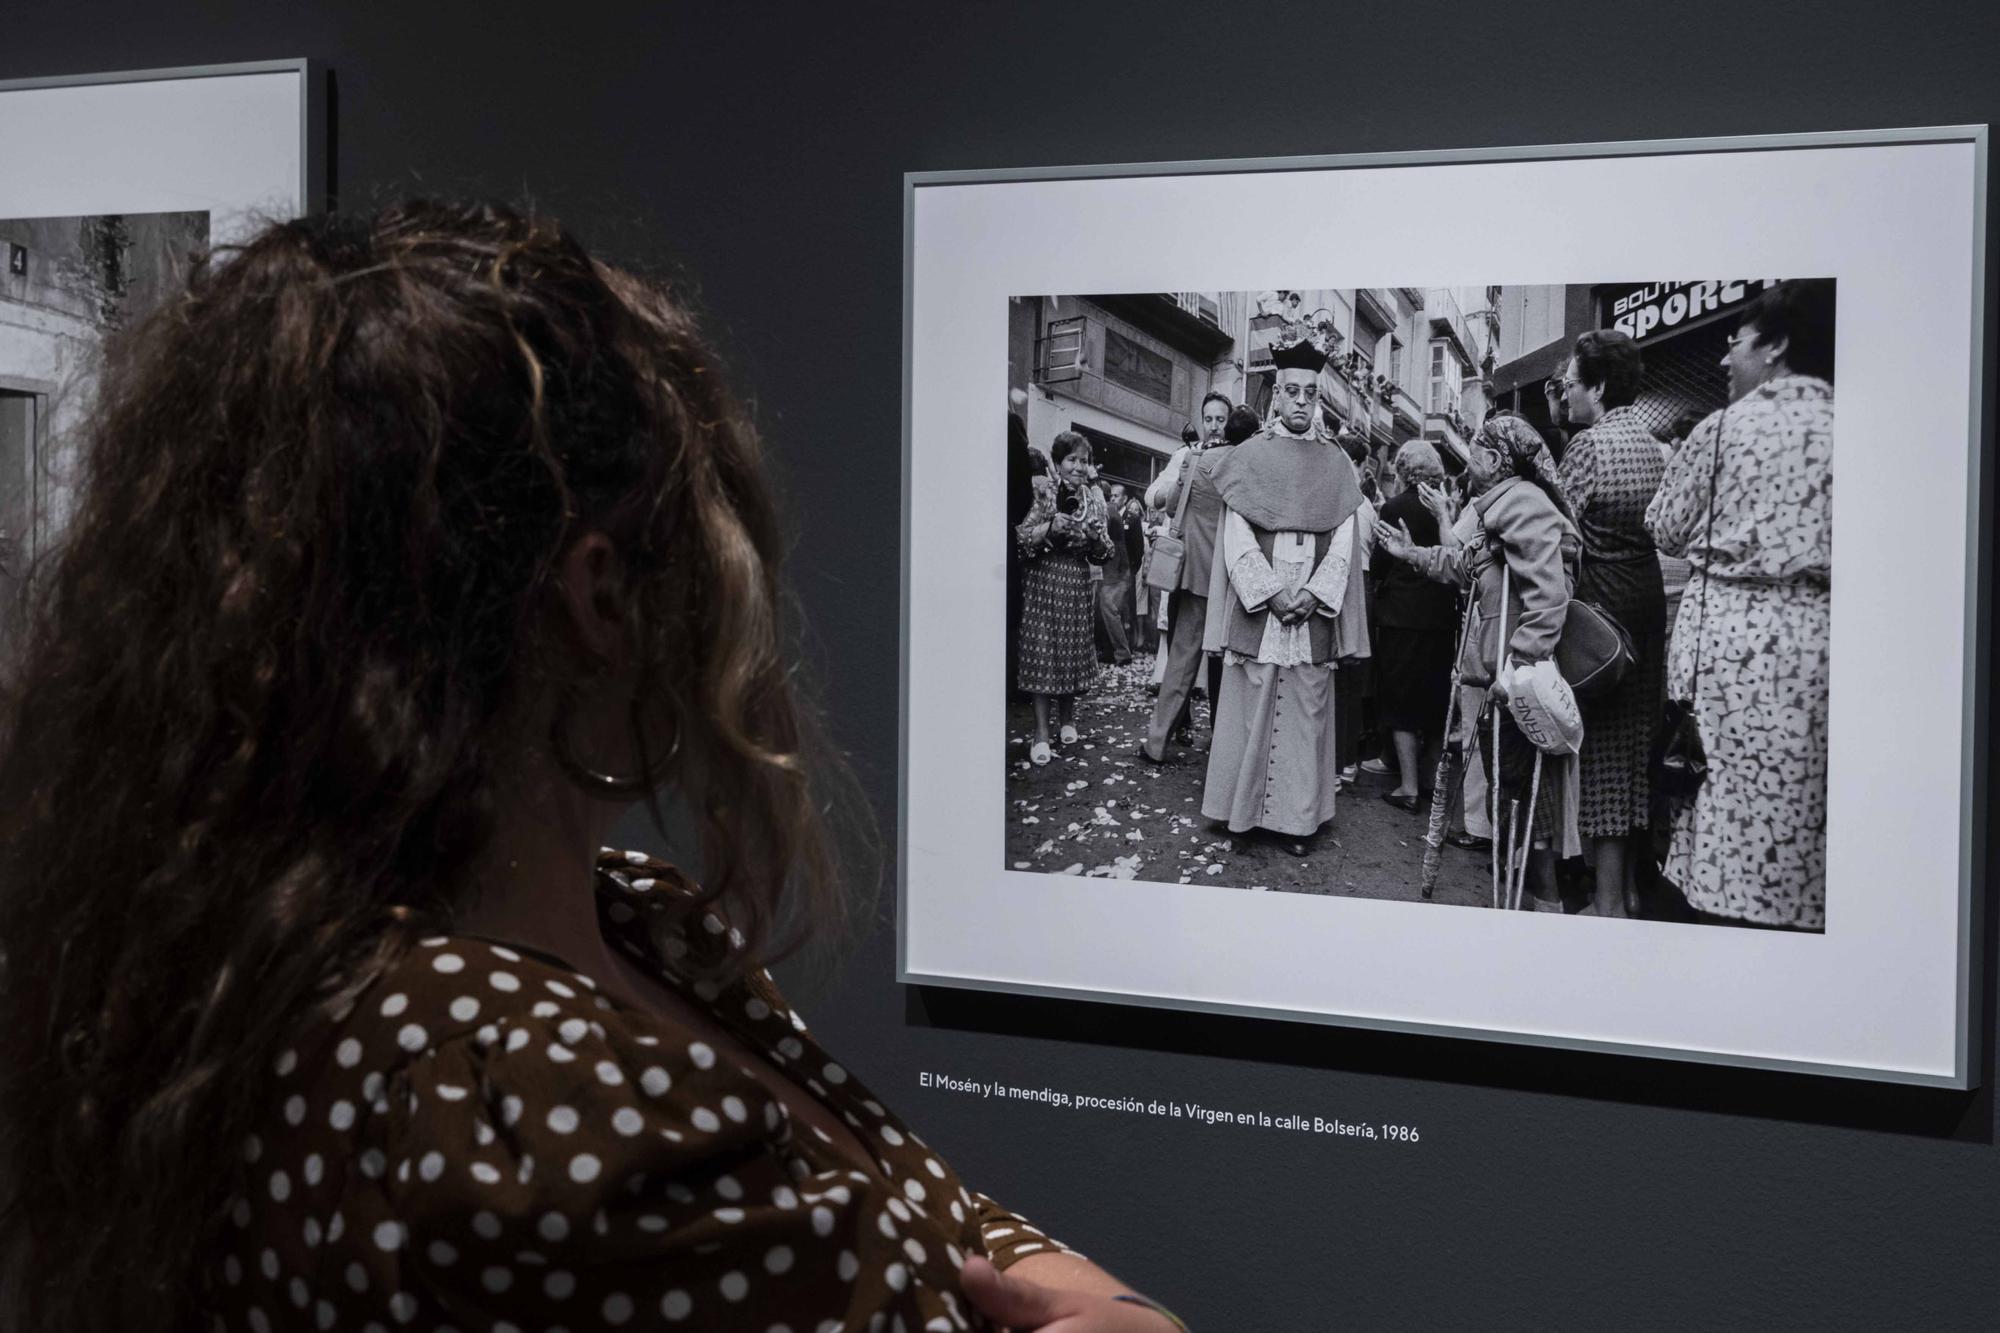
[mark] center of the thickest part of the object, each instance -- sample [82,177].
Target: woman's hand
[1017,1303]
[1441,503]
[1395,539]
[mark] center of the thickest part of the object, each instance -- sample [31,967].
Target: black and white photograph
[1258,545]
[69,282]
[1296,547]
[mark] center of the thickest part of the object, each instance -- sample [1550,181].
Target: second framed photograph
[1397,592]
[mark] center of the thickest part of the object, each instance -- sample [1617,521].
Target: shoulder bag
[1163,562]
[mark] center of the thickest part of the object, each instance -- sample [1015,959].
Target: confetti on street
[1122,818]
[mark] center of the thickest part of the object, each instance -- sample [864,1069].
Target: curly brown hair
[255,703]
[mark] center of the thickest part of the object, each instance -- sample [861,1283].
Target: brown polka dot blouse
[486,1142]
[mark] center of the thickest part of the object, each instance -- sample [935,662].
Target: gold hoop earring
[599,783]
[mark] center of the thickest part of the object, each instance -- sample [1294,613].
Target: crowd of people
[1344,614]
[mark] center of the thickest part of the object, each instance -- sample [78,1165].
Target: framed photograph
[1469,637]
[109,185]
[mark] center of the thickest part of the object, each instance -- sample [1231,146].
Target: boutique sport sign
[1649,308]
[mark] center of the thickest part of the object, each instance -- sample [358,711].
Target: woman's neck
[536,881]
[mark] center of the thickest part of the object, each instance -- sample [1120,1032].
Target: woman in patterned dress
[1064,533]
[1749,501]
[414,551]
[1610,472]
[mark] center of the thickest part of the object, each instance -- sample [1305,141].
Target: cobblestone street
[1099,810]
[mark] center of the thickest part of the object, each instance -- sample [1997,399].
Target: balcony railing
[1204,306]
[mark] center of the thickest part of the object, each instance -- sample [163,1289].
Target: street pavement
[1099,810]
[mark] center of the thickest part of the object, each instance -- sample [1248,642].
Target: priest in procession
[1285,603]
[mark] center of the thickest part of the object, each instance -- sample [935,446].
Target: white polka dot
[583,1168]
[778,1259]
[341,1116]
[734,1286]
[324,1314]
[702,1054]
[558,1286]
[886,1225]
[957,1213]
[704,1120]
[848,1266]
[389,1235]
[756,1010]
[486,1173]
[442,1254]
[609,1074]
[891,1137]
[655,1081]
[900,1209]
[936,1168]
[914,1250]
[295,1109]
[373,1163]
[897,1276]
[232,1270]
[785,1197]
[553,1227]
[729,1216]
[372,1085]
[732,1106]
[412,1037]
[448,963]
[652,1223]
[451,1092]
[281,1186]
[503,981]
[822,1221]
[502,952]
[729,1187]
[874,1108]
[432,1166]
[834,1073]
[562,1119]
[956,1256]
[315,1167]
[486,1225]
[627,1121]
[301,1297]
[268,1262]
[617,1308]
[464,1009]
[573,1030]
[496,1279]
[675,1305]
[560,1054]
[545,1009]
[487,1035]
[348,1053]
[792,1048]
[403,1306]
[357,1277]
[510,1110]
[395,1004]
[259,1321]
[335,1228]
[558,988]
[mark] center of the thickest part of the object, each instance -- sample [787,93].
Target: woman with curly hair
[411,551]
[1064,533]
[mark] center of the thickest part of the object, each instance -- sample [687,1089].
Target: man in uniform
[1287,562]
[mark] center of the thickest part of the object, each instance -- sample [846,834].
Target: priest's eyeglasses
[1297,392]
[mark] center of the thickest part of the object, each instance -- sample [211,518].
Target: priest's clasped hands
[1292,607]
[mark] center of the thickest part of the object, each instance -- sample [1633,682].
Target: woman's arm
[1031,534]
[1165,487]
[1676,512]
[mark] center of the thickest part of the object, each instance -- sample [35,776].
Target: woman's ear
[591,579]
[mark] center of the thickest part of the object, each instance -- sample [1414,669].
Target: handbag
[1163,562]
[1595,652]
[1680,759]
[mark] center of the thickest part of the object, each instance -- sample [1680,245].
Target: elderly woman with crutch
[1516,546]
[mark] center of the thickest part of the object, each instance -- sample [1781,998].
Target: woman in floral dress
[1751,644]
[1064,533]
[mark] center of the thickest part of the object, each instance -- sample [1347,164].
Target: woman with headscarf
[1610,472]
[1749,501]
[1516,527]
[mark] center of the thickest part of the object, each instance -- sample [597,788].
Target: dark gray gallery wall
[760,149]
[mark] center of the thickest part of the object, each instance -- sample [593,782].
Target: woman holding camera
[1064,533]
